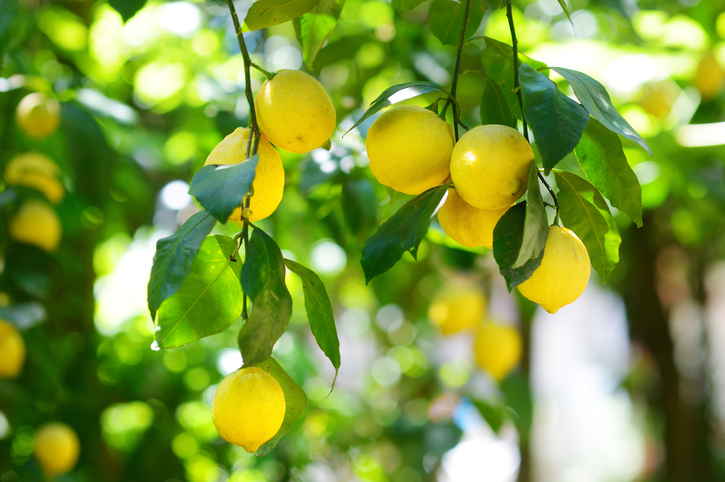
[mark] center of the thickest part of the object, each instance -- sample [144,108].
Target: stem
[553,196]
[517,86]
[458,67]
[247,74]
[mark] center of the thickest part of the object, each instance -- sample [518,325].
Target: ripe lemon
[409,149]
[490,166]
[38,115]
[56,448]
[248,408]
[269,175]
[710,76]
[459,306]
[563,273]
[497,348]
[36,223]
[12,348]
[295,111]
[36,171]
[467,225]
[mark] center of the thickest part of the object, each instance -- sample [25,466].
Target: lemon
[248,408]
[12,348]
[563,273]
[409,149]
[295,111]
[497,349]
[36,171]
[709,77]
[36,223]
[268,181]
[467,225]
[459,306]
[56,448]
[38,115]
[490,166]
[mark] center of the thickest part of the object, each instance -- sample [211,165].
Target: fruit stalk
[457,69]
[517,85]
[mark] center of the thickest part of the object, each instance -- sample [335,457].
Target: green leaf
[566,11]
[267,13]
[556,120]
[446,19]
[319,312]
[495,108]
[584,211]
[402,232]
[174,258]
[517,391]
[294,398]
[495,414]
[263,281]
[127,8]
[359,205]
[595,99]
[209,300]
[507,240]
[601,157]
[220,189]
[404,6]
[399,93]
[536,225]
[314,27]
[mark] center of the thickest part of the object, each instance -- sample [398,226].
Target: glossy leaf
[404,6]
[536,225]
[174,258]
[209,300]
[402,232]
[220,189]
[557,121]
[495,108]
[446,19]
[507,240]
[584,211]
[267,13]
[263,281]
[314,27]
[601,157]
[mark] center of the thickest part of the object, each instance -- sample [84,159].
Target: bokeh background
[626,384]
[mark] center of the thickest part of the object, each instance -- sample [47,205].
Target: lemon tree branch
[457,68]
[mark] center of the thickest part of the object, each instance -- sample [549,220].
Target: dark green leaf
[507,239]
[601,157]
[208,302]
[314,27]
[566,11]
[402,232]
[494,106]
[404,6]
[584,211]
[174,258]
[267,13]
[220,189]
[359,205]
[24,315]
[595,99]
[127,8]
[517,391]
[319,312]
[556,120]
[494,414]
[446,19]
[294,398]
[536,225]
[263,282]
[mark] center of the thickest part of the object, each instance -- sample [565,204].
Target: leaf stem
[517,85]
[454,86]
[553,196]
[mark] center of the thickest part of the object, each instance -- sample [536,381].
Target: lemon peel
[459,306]
[37,171]
[12,348]
[38,115]
[36,223]
[468,225]
[497,349]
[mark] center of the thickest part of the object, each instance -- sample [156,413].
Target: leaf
[601,157]
[595,99]
[24,315]
[519,398]
[566,11]
[208,302]
[507,239]
[359,205]
[402,232]
[584,211]
[556,120]
[174,258]
[494,106]
[127,8]
[319,312]
[314,27]
[536,224]
[446,19]
[495,414]
[267,13]
[263,281]
[220,189]
[404,6]
[398,93]
[294,398]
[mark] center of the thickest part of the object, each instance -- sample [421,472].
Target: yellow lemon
[490,166]
[38,115]
[409,149]
[56,448]
[248,408]
[268,181]
[295,111]
[459,306]
[467,225]
[710,76]
[36,171]
[12,348]
[36,223]
[563,273]
[497,349]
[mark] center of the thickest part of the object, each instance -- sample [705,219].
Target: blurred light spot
[140,30]
[22,445]
[157,81]
[370,55]
[229,360]
[180,18]
[647,171]
[428,66]
[442,407]
[285,345]
[105,106]
[200,468]
[175,195]
[585,24]
[455,373]
[701,135]
[280,54]
[416,411]
[196,379]
[4,426]
[316,424]
[250,475]
[184,445]
[206,43]
[92,218]
[124,424]
[196,417]
[385,371]
[107,254]
[175,361]
[328,258]
[180,147]
[482,458]
[628,72]
[403,355]
[65,29]
[385,32]
[354,322]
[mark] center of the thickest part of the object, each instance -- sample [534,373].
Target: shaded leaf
[446,19]
[127,8]
[507,239]
[359,205]
[404,6]
[314,27]
[536,225]
[495,108]
[267,13]
[517,391]
[220,189]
